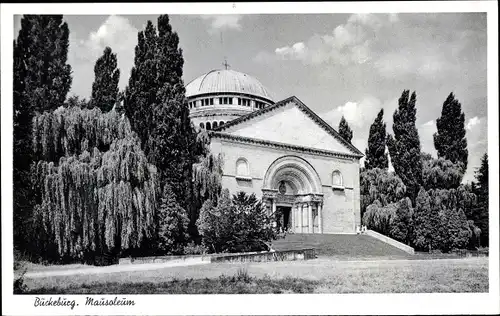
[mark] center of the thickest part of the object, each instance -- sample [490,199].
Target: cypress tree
[344,130]
[449,140]
[481,189]
[42,79]
[105,86]
[376,156]
[155,105]
[404,146]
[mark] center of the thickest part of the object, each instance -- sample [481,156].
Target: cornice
[272,144]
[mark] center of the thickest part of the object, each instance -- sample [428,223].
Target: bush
[379,218]
[193,249]
[172,224]
[237,224]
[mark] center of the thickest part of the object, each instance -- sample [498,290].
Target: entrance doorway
[283,218]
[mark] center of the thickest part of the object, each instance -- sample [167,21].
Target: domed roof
[228,80]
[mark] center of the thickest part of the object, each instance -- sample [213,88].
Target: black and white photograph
[343,150]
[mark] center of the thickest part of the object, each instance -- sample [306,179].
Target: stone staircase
[340,246]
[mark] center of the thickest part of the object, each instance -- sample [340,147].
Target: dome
[227,81]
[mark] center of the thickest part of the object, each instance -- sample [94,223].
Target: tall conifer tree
[105,86]
[450,141]
[376,157]
[155,104]
[404,146]
[481,189]
[42,79]
[344,130]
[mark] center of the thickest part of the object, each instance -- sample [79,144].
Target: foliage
[376,157]
[75,101]
[404,146]
[426,223]
[95,191]
[155,105]
[440,173]
[450,140]
[379,184]
[402,221]
[344,130]
[172,224]
[42,79]
[379,217]
[481,189]
[229,225]
[105,86]
[194,249]
[393,220]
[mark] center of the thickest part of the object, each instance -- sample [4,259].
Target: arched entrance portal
[292,192]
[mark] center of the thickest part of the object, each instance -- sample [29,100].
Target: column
[273,211]
[299,209]
[320,219]
[310,218]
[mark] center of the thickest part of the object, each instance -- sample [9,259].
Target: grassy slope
[314,276]
[355,246]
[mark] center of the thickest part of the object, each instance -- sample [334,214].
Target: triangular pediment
[289,122]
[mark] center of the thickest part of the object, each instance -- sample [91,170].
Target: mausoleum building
[299,165]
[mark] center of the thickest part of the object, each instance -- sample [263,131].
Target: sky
[337,64]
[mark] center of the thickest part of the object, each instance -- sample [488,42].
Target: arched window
[221,123]
[214,125]
[242,169]
[209,127]
[202,125]
[337,180]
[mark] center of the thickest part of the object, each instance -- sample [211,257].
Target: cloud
[347,44]
[220,22]
[116,32]
[472,122]
[426,134]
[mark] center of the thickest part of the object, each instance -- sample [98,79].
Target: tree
[380,185]
[379,217]
[440,173]
[232,224]
[426,223]
[344,130]
[172,224]
[404,146]
[155,105]
[94,189]
[449,140]
[42,79]
[481,189]
[376,157]
[75,101]
[402,221]
[105,86]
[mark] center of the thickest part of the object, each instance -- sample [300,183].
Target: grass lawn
[313,276]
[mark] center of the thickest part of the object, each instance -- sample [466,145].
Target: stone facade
[296,163]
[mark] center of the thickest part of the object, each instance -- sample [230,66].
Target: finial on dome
[225,64]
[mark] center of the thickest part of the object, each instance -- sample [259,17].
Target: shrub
[172,224]
[194,249]
[235,224]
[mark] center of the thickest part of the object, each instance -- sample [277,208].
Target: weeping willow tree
[207,178]
[95,191]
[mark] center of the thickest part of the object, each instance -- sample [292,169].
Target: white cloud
[117,33]
[226,21]
[348,43]
[472,122]
[426,134]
